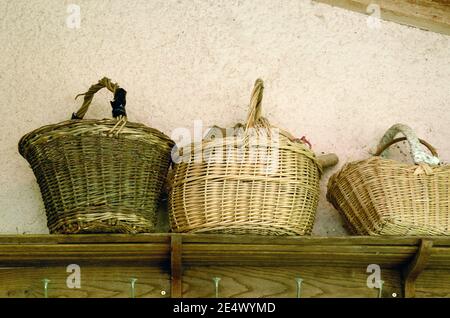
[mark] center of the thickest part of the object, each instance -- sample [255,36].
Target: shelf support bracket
[176,266]
[412,271]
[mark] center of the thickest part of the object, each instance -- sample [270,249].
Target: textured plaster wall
[328,76]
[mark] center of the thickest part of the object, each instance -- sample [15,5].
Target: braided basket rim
[90,127]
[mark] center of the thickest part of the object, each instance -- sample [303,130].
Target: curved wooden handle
[328,160]
[396,140]
[417,152]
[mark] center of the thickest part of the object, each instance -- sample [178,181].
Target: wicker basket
[379,196]
[99,175]
[260,181]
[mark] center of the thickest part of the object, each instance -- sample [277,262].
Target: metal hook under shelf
[46,281]
[133,284]
[216,281]
[299,286]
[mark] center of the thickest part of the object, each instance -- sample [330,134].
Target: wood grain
[84,238]
[416,267]
[432,15]
[164,238]
[155,249]
[280,282]
[104,282]
[249,266]
[176,266]
[434,283]
[148,253]
[313,240]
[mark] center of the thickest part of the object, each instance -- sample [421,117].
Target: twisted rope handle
[254,118]
[418,154]
[118,104]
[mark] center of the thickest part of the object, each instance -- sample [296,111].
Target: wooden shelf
[432,15]
[181,263]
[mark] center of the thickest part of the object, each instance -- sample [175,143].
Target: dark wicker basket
[99,175]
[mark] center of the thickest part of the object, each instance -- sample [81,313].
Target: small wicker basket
[379,196]
[260,181]
[99,175]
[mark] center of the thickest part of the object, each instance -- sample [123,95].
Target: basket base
[399,228]
[268,230]
[105,222]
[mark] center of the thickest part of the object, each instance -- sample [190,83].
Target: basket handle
[396,140]
[418,154]
[254,118]
[118,104]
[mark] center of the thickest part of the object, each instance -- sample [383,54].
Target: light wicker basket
[99,175]
[262,181]
[379,196]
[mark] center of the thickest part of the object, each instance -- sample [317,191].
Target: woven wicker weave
[244,192]
[379,196]
[98,175]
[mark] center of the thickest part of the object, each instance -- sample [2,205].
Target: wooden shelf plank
[432,15]
[182,265]
[257,281]
[97,281]
[85,238]
[220,249]
[218,238]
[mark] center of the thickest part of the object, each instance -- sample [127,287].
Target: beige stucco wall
[328,76]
